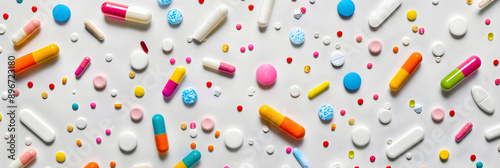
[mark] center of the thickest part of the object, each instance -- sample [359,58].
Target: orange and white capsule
[24,159]
[28,30]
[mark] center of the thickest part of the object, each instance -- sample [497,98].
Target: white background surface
[271,46]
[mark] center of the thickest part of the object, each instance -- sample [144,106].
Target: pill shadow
[100,41]
[233,150]
[189,105]
[297,45]
[140,70]
[128,152]
[37,69]
[375,54]
[482,10]
[351,91]
[18,47]
[163,6]
[163,156]
[458,37]
[326,122]
[219,72]
[437,122]
[265,87]
[293,142]
[346,17]
[123,23]
[174,26]
[262,29]
[167,52]
[62,23]
[460,85]
[406,151]
[360,147]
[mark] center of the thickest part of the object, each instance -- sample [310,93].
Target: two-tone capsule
[189,160]
[286,124]
[405,72]
[461,72]
[85,63]
[174,81]
[160,133]
[125,12]
[35,58]
[28,30]
[219,65]
[24,159]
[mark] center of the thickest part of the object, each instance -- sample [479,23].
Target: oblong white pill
[483,99]
[265,13]
[36,125]
[405,142]
[492,133]
[383,11]
[94,30]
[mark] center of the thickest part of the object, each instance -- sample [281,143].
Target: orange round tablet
[112,163]
[79,143]
[210,148]
[395,49]
[217,133]
[193,145]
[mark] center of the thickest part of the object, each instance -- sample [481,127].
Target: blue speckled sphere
[325,112]
[297,36]
[174,16]
[189,96]
[164,2]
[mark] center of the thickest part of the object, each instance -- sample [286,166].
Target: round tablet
[352,81]
[277,25]
[113,92]
[360,136]
[193,133]
[325,112]
[444,154]
[167,45]
[438,49]
[164,2]
[458,26]
[345,8]
[326,40]
[270,149]
[437,114]
[337,59]
[406,41]
[409,156]
[384,116]
[61,13]
[100,81]
[127,141]
[109,57]
[174,16]
[412,15]
[28,141]
[375,46]
[316,35]
[139,60]
[139,91]
[233,138]
[297,36]
[266,74]
[136,113]
[207,123]
[3,29]
[189,96]
[81,123]
[295,91]
[60,157]
[74,37]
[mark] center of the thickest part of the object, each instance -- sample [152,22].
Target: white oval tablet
[127,141]
[458,26]
[384,116]
[139,60]
[483,99]
[316,35]
[337,59]
[233,138]
[81,123]
[113,93]
[28,141]
[295,91]
[74,37]
[167,45]
[360,136]
[438,49]
[387,106]
[326,40]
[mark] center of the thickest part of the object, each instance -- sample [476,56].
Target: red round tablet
[360,101]
[473,157]
[452,113]
[34,8]
[239,108]
[52,86]
[250,7]
[201,1]
[289,60]
[495,62]
[209,84]
[5,16]
[30,84]
[339,33]
[325,144]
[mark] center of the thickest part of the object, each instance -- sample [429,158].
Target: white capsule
[265,12]
[213,20]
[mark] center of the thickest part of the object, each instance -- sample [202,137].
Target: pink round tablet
[238,26]
[421,30]
[108,131]
[487,21]
[266,74]
[497,81]
[226,166]
[288,150]
[16,92]
[372,158]
[172,61]
[136,113]
[207,123]
[92,105]
[250,47]
[98,140]
[315,54]
[369,65]
[192,125]
[375,96]
[437,114]
[100,81]
[359,38]
[188,59]
[242,49]
[375,46]
[342,112]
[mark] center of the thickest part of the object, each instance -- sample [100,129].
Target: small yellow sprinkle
[139,91]
[79,143]
[412,103]
[351,121]
[469,2]
[307,68]
[45,95]
[351,154]
[225,47]
[131,75]
[183,126]
[490,36]
[414,29]
[64,80]
[60,157]
[70,128]
[118,105]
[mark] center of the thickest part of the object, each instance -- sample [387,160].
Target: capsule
[461,72]
[24,159]
[405,72]
[284,123]
[461,134]
[213,20]
[85,63]
[35,58]
[28,30]
[125,12]
[189,160]
[160,133]
[174,81]
[219,65]
[318,89]
[265,13]
[92,165]
[301,158]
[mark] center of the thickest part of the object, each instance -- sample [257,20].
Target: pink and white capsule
[125,12]
[461,134]
[219,65]
[24,159]
[27,31]
[85,63]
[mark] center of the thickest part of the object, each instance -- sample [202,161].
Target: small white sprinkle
[74,37]
[193,133]
[389,141]
[277,25]
[326,40]
[409,156]
[337,46]
[109,57]
[265,128]
[251,91]
[387,106]
[250,142]
[438,59]
[217,91]
[316,35]
[114,93]
[73,92]
[270,149]
[28,141]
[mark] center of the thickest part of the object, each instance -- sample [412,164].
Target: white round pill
[406,41]
[326,40]
[389,141]
[438,59]
[6,135]
[233,138]
[193,133]
[277,25]
[384,116]
[127,141]
[270,149]
[109,57]
[387,106]
[167,45]
[295,91]
[74,37]
[113,93]
[3,29]
[81,123]
[435,2]
[28,141]
[250,142]
[337,46]
[336,165]
[73,92]
[139,60]
[337,59]
[265,128]
[5,95]
[438,49]
[409,156]
[316,35]
[360,136]
[458,26]
[246,166]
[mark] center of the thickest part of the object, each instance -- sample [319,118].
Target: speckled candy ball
[189,96]
[266,74]
[174,16]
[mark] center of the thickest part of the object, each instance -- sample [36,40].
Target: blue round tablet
[74,106]
[174,16]
[19,1]
[164,2]
[346,8]
[352,81]
[61,13]
[189,96]
[297,36]
[325,112]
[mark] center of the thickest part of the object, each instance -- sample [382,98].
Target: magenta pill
[238,26]
[92,105]
[188,59]
[288,150]
[242,49]
[192,125]
[421,30]
[497,81]
[250,47]
[316,54]
[342,112]
[98,140]
[369,65]
[172,61]
[375,96]
[487,21]
[303,10]
[372,158]
[108,131]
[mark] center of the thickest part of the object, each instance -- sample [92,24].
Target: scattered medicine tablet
[61,13]
[233,138]
[458,26]
[375,46]
[183,126]
[385,116]
[207,123]
[437,114]
[360,136]
[93,105]
[266,74]
[411,15]
[60,157]
[189,96]
[139,91]
[438,49]
[444,154]
[99,81]
[81,123]
[359,38]
[490,36]
[108,131]
[325,112]
[167,45]
[487,21]
[297,36]
[139,60]
[326,40]
[352,81]
[295,91]
[421,30]
[127,141]
[136,113]
[174,16]
[337,59]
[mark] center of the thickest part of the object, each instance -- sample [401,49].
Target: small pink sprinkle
[226,166]
[303,10]
[359,38]
[342,112]
[288,150]
[372,158]
[421,30]
[16,92]
[98,140]
[242,49]
[238,26]
[92,105]
[192,125]
[497,81]
[108,131]
[250,47]
[369,65]
[172,61]
[188,59]
[375,96]
[316,54]
[487,21]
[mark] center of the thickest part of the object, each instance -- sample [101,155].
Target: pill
[183,126]
[174,16]
[28,141]
[24,159]
[93,29]
[463,70]
[414,29]
[217,92]
[444,154]
[437,114]
[187,162]
[266,74]
[37,126]
[3,29]
[108,131]
[139,91]
[100,81]
[337,59]
[282,122]
[265,128]
[188,59]
[172,61]
[294,91]
[167,45]
[490,36]
[405,142]
[360,136]
[61,13]
[112,164]
[438,49]
[385,116]
[265,13]
[193,145]
[74,37]
[131,74]
[217,134]
[318,89]
[469,2]
[95,165]
[405,72]
[109,57]
[114,92]
[304,162]
[127,141]
[233,138]
[164,2]
[333,126]
[458,26]
[479,165]
[395,49]
[210,148]
[27,31]
[487,21]
[81,123]
[83,65]
[297,36]
[369,65]
[346,8]
[351,121]
[351,154]
[352,81]
[136,113]
[325,112]
[421,30]
[372,158]
[326,40]
[412,103]
[297,14]
[74,106]
[483,99]
[35,58]
[411,15]
[383,11]
[482,4]
[44,95]
[219,65]
[174,81]
[418,108]
[270,149]
[207,123]
[69,128]
[60,157]
[213,21]
[125,12]
[359,38]
[409,156]
[307,68]
[78,143]
[465,129]
[375,46]
[139,60]
[239,108]
[492,133]
[160,133]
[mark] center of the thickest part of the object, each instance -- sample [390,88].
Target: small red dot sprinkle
[30,84]
[250,7]
[360,101]
[289,60]
[473,157]
[388,167]
[339,33]
[240,108]
[5,16]
[325,144]
[34,8]
[495,62]
[452,113]
[209,84]
[52,86]
[201,1]
[356,166]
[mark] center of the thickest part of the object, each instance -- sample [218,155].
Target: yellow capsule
[45,95]
[414,29]
[69,128]
[131,75]
[351,154]
[412,103]
[64,80]
[183,126]
[225,47]
[490,36]
[351,121]
[318,89]
[307,68]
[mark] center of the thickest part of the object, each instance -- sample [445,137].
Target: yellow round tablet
[351,154]
[183,126]
[60,157]
[412,103]
[351,121]
[45,95]
[70,128]
[139,91]
[307,69]
[225,47]
[131,75]
[412,15]
[444,154]
[414,29]
[0,116]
